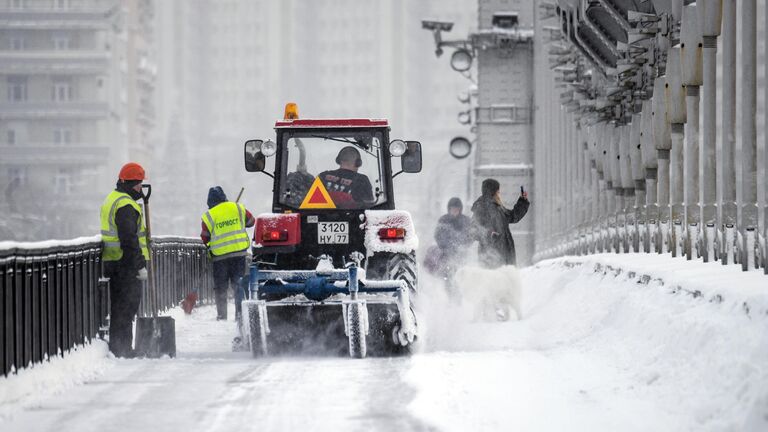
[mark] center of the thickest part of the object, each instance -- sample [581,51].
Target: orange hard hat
[131,171]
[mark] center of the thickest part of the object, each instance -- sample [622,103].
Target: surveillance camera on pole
[461,60]
[437,27]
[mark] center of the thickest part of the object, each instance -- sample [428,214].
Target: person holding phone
[490,225]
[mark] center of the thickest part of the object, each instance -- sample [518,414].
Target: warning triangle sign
[317,197]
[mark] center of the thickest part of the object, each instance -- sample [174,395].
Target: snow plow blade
[312,312]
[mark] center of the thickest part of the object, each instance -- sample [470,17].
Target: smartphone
[522,191]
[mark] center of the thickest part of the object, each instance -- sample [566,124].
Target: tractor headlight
[397,148]
[268,148]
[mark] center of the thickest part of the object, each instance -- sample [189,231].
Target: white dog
[490,294]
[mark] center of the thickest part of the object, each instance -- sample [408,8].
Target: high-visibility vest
[226,223]
[112,250]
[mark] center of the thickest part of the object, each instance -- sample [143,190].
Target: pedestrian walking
[490,225]
[452,237]
[223,231]
[125,254]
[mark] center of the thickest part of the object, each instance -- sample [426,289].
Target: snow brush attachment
[303,308]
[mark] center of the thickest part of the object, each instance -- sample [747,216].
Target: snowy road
[209,388]
[595,351]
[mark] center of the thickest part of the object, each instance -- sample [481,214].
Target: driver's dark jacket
[344,185]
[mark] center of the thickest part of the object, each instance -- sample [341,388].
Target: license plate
[333,232]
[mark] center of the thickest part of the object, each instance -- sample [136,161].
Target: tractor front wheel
[356,329]
[257,326]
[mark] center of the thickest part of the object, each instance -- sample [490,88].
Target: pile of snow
[607,342]
[39,381]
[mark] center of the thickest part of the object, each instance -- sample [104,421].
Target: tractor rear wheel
[403,267]
[395,266]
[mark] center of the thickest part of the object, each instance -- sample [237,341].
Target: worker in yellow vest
[125,255]
[223,231]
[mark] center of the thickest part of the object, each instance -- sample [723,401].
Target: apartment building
[74,79]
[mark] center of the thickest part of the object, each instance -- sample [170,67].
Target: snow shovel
[155,336]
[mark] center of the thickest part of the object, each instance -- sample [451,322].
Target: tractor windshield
[348,164]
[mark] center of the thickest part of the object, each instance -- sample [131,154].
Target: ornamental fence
[53,296]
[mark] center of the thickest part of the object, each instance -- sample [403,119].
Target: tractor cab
[327,173]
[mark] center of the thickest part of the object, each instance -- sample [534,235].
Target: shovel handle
[148,187]
[240,195]
[150,263]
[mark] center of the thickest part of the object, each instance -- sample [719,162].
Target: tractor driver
[346,186]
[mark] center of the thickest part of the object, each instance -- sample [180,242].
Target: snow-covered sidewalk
[609,342]
[197,335]
[209,388]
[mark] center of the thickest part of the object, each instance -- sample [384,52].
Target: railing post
[18,314]
[36,305]
[50,304]
[7,271]
[663,143]
[764,180]
[726,158]
[26,313]
[748,102]
[675,103]
[691,73]
[710,13]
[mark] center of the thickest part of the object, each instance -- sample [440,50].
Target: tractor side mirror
[255,161]
[410,161]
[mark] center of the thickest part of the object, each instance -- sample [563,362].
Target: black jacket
[348,185]
[490,226]
[126,221]
[452,233]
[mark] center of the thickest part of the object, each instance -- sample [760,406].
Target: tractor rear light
[277,229]
[392,233]
[274,236]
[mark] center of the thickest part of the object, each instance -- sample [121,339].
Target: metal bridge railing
[181,266]
[53,298]
[639,147]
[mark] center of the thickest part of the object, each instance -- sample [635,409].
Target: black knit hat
[216,196]
[490,187]
[455,202]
